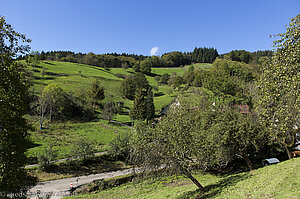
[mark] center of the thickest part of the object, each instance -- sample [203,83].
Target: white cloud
[154,50]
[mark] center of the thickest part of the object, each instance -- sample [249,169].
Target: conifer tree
[138,111]
[96,92]
[150,108]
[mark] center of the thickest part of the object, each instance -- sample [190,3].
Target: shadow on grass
[48,63]
[36,66]
[102,69]
[44,78]
[120,124]
[153,75]
[124,113]
[214,189]
[159,94]
[56,74]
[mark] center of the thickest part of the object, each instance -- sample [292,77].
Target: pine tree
[96,92]
[150,108]
[138,111]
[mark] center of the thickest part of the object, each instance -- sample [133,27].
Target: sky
[149,27]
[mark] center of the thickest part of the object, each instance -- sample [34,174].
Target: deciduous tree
[279,87]
[133,83]
[96,92]
[168,147]
[13,126]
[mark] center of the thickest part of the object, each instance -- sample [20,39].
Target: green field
[64,135]
[77,78]
[276,181]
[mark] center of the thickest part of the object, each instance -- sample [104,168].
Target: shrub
[46,158]
[82,150]
[122,76]
[120,147]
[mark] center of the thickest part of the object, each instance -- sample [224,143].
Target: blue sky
[136,26]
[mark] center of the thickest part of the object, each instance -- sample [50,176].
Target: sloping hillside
[78,78]
[275,181]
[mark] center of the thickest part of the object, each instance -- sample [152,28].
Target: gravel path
[61,188]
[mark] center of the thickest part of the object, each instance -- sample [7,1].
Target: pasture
[77,78]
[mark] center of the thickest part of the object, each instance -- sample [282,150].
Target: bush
[82,150]
[109,111]
[165,78]
[46,158]
[120,147]
[122,76]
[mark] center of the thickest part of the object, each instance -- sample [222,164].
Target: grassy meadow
[63,136]
[77,78]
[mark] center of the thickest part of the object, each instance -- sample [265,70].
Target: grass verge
[275,181]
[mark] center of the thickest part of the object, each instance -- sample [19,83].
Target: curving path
[61,188]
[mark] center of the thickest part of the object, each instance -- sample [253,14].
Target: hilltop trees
[239,55]
[13,126]
[33,58]
[279,87]
[175,59]
[204,55]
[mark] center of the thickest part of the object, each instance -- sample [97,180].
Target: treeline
[247,57]
[109,60]
[141,63]
[204,55]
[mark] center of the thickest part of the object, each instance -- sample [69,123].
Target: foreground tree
[279,87]
[13,127]
[240,134]
[171,146]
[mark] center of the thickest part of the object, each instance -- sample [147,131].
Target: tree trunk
[42,118]
[50,117]
[249,163]
[41,122]
[194,180]
[289,152]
